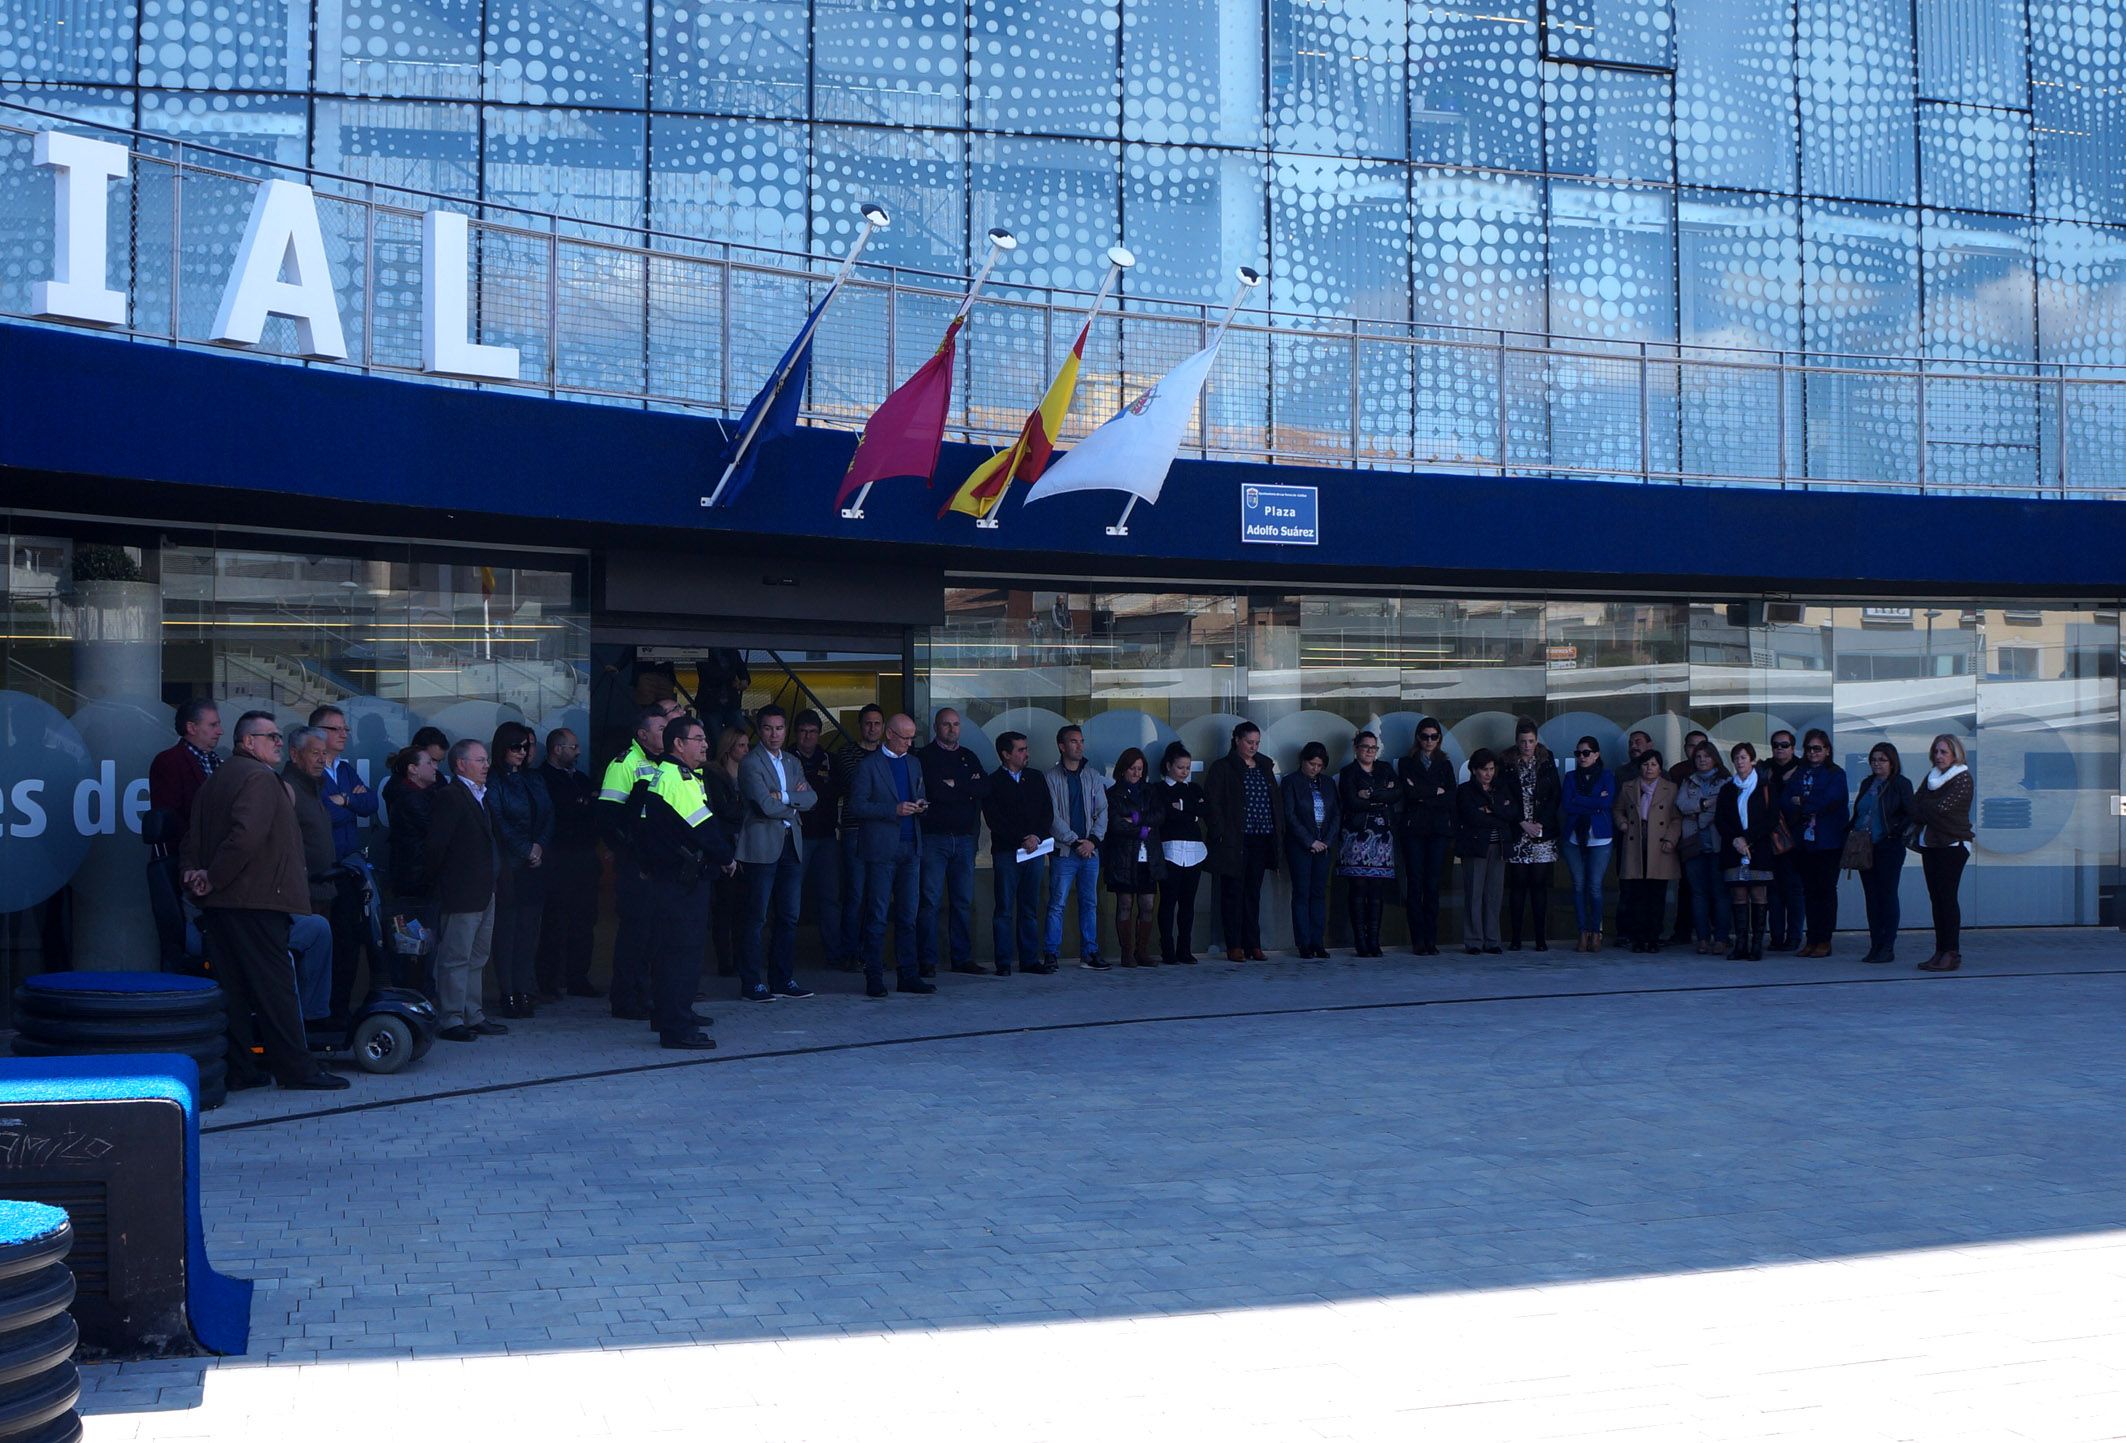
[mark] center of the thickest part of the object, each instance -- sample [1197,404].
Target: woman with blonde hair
[1941,805]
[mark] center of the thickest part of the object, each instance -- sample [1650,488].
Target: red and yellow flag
[984,491]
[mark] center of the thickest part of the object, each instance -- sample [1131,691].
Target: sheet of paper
[1048,844]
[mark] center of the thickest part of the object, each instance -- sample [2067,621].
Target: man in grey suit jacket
[887,801]
[773,795]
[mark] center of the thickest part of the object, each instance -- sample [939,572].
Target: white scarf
[1743,787]
[1937,778]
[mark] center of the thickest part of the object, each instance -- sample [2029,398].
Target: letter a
[283,235]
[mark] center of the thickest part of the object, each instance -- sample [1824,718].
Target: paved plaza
[1542,1197]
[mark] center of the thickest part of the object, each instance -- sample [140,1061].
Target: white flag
[1134,451]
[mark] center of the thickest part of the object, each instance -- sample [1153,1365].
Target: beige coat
[1646,851]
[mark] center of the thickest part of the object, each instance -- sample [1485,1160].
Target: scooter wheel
[381,1044]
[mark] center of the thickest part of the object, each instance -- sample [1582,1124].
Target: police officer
[617,807]
[680,847]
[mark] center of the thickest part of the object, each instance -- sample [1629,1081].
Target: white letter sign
[444,347]
[283,235]
[80,228]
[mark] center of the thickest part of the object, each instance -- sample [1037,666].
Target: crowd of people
[489,858]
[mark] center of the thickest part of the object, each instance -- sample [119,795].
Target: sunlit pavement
[1561,1197]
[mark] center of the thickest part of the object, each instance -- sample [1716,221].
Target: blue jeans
[1069,870]
[310,939]
[1712,917]
[1588,865]
[774,890]
[892,883]
[823,881]
[948,874]
[1017,916]
[1310,894]
[1879,885]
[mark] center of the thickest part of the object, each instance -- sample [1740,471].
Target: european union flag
[774,409]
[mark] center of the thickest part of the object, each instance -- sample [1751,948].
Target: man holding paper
[1020,816]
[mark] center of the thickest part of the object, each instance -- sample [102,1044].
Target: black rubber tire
[30,1351]
[34,1402]
[84,1006]
[25,1302]
[16,1259]
[204,1051]
[111,1029]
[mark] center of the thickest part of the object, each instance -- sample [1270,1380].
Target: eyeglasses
[1585,752]
[264,737]
[520,746]
[1428,736]
[1817,751]
[1782,746]
[1369,746]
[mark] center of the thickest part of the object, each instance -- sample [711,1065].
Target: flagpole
[1000,241]
[1249,279]
[1118,261]
[875,218]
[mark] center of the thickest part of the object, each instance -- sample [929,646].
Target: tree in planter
[99,562]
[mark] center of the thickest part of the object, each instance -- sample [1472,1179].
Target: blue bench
[115,1141]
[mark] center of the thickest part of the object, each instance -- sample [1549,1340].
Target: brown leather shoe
[1943,962]
[1234,954]
[1256,954]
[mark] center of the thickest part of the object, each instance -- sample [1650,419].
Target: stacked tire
[77,1014]
[39,1384]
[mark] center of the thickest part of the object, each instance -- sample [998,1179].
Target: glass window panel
[1858,139]
[1981,308]
[1621,32]
[2078,99]
[1192,73]
[740,181]
[1047,65]
[1736,123]
[1473,666]
[1476,86]
[1478,248]
[1974,159]
[1341,238]
[226,44]
[1974,52]
[1612,123]
[1612,279]
[1192,217]
[890,62]
[567,52]
[390,47]
[1612,262]
[1337,82]
[1739,264]
[741,57]
[420,146]
[1611,668]
[1860,284]
[83,41]
[920,178]
[2045,765]
[582,164]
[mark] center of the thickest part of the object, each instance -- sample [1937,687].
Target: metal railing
[647,319]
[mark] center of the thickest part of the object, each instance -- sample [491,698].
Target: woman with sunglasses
[523,816]
[1743,820]
[1589,795]
[1426,780]
[1815,802]
[1366,789]
[1941,804]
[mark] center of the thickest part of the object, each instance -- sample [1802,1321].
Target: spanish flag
[984,491]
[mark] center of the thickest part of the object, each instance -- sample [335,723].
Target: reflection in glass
[1192,73]
[397,48]
[1857,101]
[566,52]
[889,62]
[1620,32]
[1474,91]
[1047,66]
[1337,78]
[1735,103]
[1612,123]
[739,59]
[1974,159]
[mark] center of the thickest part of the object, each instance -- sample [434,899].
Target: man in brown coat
[243,862]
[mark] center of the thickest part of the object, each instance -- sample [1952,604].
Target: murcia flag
[984,491]
[1134,451]
[903,435]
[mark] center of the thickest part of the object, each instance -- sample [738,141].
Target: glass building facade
[1865,188]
